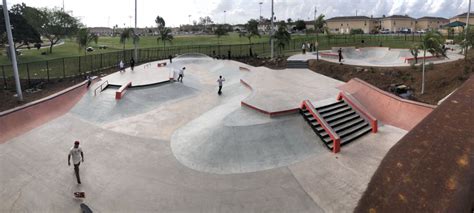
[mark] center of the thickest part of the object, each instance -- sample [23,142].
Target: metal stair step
[338,106]
[351,130]
[336,112]
[356,135]
[329,105]
[339,122]
[340,116]
[349,124]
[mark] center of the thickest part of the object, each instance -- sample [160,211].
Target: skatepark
[381,56]
[167,146]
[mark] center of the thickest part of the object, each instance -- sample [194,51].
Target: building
[344,24]
[398,23]
[462,18]
[101,31]
[430,23]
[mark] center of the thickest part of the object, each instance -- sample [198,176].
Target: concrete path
[180,147]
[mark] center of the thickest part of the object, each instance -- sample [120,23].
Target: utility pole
[12,50]
[189,19]
[224,16]
[271,34]
[260,17]
[467,29]
[135,34]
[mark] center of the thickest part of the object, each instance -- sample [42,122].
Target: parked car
[405,31]
[421,31]
[385,31]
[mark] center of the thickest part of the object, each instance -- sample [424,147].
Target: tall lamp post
[12,50]
[224,16]
[467,28]
[271,34]
[260,17]
[135,35]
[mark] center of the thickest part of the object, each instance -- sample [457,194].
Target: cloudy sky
[96,13]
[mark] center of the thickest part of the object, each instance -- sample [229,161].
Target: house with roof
[462,18]
[344,24]
[430,23]
[398,23]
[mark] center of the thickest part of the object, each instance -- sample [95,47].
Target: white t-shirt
[121,64]
[181,71]
[220,80]
[76,155]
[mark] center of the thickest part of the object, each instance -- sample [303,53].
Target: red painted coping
[24,118]
[329,54]
[332,134]
[244,69]
[407,59]
[386,107]
[121,91]
[161,64]
[353,103]
[271,114]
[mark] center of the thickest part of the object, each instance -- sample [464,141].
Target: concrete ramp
[386,107]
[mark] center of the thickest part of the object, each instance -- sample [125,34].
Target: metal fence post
[47,69]
[101,65]
[28,75]
[64,69]
[79,65]
[4,77]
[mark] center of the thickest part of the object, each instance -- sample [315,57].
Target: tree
[205,21]
[415,50]
[220,31]
[84,37]
[23,33]
[58,25]
[251,30]
[165,35]
[300,25]
[289,20]
[319,27]
[282,36]
[127,34]
[160,23]
[432,42]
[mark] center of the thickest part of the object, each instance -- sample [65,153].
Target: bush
[430,66]
[356,31]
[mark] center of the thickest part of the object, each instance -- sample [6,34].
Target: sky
[107,13]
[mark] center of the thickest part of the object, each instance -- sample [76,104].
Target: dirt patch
[440,79]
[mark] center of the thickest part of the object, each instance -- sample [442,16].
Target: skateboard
[79,195]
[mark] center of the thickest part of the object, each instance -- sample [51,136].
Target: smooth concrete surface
[179,147]
[142,75]
[377,56]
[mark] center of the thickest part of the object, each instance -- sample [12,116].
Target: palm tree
[432,42]
[84,38]
[160,22]
[251,30]
[319,27]
[125,36]
[282,36]
[165,35]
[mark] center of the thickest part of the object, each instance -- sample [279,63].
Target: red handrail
[352,102]
[306,104]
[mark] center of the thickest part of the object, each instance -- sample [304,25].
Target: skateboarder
[77,157]
[170,58]
[220,80]
[89,81]
[340,55]
[132,63]
[181,74]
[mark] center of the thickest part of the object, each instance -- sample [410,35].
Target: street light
[271,34]
[12,50]
[224,16]
[260,17]
[189,19]
[467,28]
[135,35]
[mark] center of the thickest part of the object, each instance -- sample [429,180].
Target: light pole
[12,50]
[467,29]
[271,34]
[135,35]
[260,17]
[224,16]
[189,19]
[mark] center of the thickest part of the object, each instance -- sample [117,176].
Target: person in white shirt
[220,80]
[181,74]
[303,48]
[77,156]
[121,65]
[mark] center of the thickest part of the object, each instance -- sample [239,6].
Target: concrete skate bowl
[386,107]
[377,56]
[193,58]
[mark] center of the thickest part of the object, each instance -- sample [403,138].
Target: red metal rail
[332,134]
[353,103]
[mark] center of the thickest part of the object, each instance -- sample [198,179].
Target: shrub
[356,31]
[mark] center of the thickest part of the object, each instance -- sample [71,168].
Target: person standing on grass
[77,156]
[339,53]
[181,74]
[122,66]
[132,63]
[219,81]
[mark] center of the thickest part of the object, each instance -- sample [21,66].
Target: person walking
[219,81]
[303,48]
[89,81]
[339,52]
[122,66]
[77,156]
[181,74]
[170,57]
[132,63]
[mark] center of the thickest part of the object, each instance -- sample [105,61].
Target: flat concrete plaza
[181,147]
